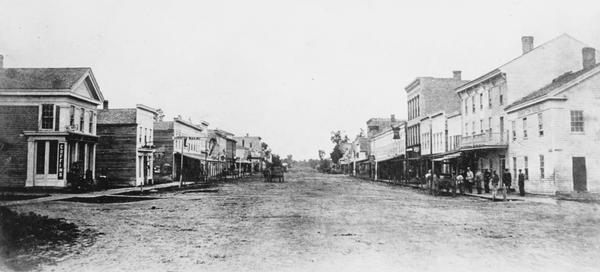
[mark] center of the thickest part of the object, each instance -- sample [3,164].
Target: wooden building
[48,120]
[125,151]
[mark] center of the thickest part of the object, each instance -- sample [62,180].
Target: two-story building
[427,97]
[254,145]
[388,151]
[180,148]
[555,132]
[125,152]
[359,165]
[48,120]
[486,131]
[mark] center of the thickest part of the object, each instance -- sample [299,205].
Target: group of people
[482,180]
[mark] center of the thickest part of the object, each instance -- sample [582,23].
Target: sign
[61,160]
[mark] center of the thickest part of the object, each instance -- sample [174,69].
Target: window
[473,103]
[466,103]
[53,157]
[81,119]
[490,98]
[72,116]
[501,99]
[577,121]
[481,100]
[467,129]
[40,158]
[145,136]
[473,127]
[150,137]
[47,116]
[91,124]
[140,135]
[514,130]
[525,127]
[490,125]
[526,167]
[481,126]
[515,167]
[541,166]
[540,125]
[57,118]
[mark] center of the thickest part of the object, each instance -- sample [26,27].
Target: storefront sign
[61,160]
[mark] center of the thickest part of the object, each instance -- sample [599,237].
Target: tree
[338,140]
[321,154]
[264,146]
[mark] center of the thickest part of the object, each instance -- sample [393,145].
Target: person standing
[428,180]
[507,180]
[486,180]
[478,181]
[460,183]
[521,183]
[495,182]
[470,178]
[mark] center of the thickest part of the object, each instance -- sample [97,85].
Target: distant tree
[322,154]
[264,146]
[160,116]
[362,133]
[338,140]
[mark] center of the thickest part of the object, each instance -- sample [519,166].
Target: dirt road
[317,222]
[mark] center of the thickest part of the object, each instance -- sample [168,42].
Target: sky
[288,71]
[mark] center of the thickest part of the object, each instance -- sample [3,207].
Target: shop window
[53,157]
[40,158]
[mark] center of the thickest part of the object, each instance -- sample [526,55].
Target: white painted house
[556,135]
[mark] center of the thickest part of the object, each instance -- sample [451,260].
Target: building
[359,164]
[555,132]
[388,151]
[427,97]
[244,165]
[177,137]
[486,131]
[125,152]
[254,145]
[48,119]
[221,155]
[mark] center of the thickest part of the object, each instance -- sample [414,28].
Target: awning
[449,157]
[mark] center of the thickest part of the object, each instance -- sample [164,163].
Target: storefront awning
[449,156]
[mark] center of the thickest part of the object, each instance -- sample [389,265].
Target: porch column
[376,170]
[93,160]
[30,163]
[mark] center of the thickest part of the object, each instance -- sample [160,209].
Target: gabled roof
[72,81]
[40,78]
[556,83]
[498,70]
[117,116]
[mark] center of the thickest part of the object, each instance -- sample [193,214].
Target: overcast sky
[289,71]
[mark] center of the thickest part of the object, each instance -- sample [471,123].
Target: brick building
[427,97]
[125,152]
[48,120]
[555,135]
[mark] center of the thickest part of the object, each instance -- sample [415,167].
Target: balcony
[485,140]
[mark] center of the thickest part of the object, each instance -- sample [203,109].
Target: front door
[579,174]
[46,163]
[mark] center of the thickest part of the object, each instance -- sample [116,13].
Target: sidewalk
[514,196]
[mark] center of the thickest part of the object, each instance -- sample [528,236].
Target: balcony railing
[486,139]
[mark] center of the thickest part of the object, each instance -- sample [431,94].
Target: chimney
[1,61]
[527,43]
[393,118]
[589,57]
[456,75]
[105,105]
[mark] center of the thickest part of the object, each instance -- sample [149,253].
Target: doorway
[579,174]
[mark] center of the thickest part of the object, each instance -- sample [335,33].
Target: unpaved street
[328,223]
